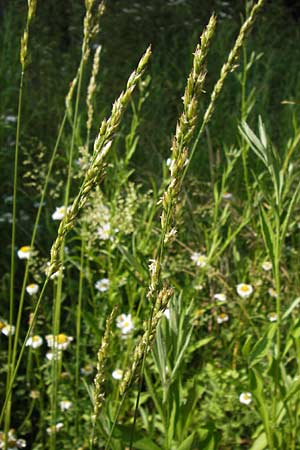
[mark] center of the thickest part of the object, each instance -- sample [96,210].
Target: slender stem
[12,256]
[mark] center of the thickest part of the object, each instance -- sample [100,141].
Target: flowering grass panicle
[95,172]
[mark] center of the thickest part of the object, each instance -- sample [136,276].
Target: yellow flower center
[245,288]
[25,248]
[32,286]
[61,338]
[2,324]
[35,338]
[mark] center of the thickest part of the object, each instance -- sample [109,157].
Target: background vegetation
[223,370]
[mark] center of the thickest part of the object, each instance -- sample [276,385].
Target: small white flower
[272,292]
[8,330]
[54,428]
[199,259]
[60,212]
[10,118]
[34,341]
[124,322]
[267,266]
[244,290]
[272,317]
[13,443]
[24,252]
[246,398]
[54,355]
[117,374]
[102,285]
[87,369]
[32,288]
[60,341]
[104,231]
[220,297]
[167,313]
[227,195]
[65,405]
[223,317]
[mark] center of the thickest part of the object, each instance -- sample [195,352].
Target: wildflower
[34,394]
[244,290]
[60,341]
[87,369]
[32,288]
[267,266]
[221,297]
[54,428]
[65,405]
[102,285]
[272,317]
[223,317]
[272,292]
[60,212]
[124,322]
[246,398]
[53,355]
[34,341]
[227,195]
[13,443]
[199,259]
[8,330]
[104,231]
[24,252]
[167,313]
[10,118]
[117,374]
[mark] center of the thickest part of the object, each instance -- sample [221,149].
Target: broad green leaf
[187,443]
[261,348]
[200,344]
[260,443]
[294,304]
[145,444]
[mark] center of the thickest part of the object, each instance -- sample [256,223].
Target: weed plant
[149,300]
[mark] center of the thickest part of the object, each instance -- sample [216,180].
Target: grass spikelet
[92,88]
[145,341]
[103,352]
[95,172]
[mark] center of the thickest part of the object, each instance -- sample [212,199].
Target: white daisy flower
[199,259]
[102,285]
[227,195]
[124,322]
[24,252]
[60,341]
[246,398]
[117,374]
[272,317]
[13,443]
[32,288]
[65,405]
[87,369]
[223,317]
[34,341]
[54,428]
[60,212]
[8,330]
[244,290]
[267,266]
[220,297]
